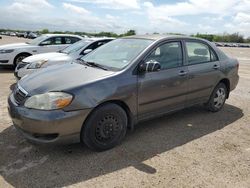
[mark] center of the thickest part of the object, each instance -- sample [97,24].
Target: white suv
[12,54]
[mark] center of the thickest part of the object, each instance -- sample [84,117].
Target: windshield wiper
[92,64]
[62,52]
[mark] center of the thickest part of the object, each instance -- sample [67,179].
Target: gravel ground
[191,148]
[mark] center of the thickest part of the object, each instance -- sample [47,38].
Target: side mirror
[87,51]
[150,66]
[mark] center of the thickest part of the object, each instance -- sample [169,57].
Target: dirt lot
[191,148]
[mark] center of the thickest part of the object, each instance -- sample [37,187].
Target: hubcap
[107,129]
[219,98]
[19,59]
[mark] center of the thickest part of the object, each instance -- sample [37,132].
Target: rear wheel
[18,59]
[217,98]
[105,128]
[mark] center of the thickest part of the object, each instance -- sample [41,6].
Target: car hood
[50,57]
[14,46]
[61,78]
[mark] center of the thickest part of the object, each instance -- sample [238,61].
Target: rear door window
[198,52]
[71,40]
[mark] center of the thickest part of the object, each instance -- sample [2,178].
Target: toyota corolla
[97,98]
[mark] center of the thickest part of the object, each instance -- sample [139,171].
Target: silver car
[72,52]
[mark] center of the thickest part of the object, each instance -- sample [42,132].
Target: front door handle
[182,73]
[216,66]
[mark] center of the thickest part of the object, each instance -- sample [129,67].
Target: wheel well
[227,84]
[123,105]
[23,53]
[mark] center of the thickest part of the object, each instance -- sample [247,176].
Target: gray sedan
[97,98]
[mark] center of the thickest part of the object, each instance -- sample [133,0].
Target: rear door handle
[216,66]
[182,73]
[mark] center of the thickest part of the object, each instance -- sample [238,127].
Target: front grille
[19,94]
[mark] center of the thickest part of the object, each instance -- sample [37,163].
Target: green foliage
[45,31]
[225,37]
[175,34]
[205,36]
[248,40]
[235,37]
[130,32]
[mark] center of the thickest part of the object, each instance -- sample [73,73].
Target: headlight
[49,101]
[6,51]
[37,65]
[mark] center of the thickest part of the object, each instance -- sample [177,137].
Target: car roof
[97,39]
[67,35]
[92,40]
[156,37]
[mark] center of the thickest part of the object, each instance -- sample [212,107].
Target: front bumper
[16,75]
[56,126]
[22,70]
[5,59]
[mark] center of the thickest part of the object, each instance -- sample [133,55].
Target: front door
[164,90]
[52,44]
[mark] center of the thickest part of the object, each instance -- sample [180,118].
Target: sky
[144,16]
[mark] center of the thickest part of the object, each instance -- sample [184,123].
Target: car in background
[98,97]
[12,34]
[218,44]
[20,34]
[72,52]
[13,54]
[32,35]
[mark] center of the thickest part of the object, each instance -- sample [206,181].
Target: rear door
[165,90]
[204,71]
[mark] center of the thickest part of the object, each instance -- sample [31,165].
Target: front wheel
[105,128]
[217,98]
[18,59]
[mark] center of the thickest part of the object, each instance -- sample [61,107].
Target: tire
[18,59]
[105,128]
[217,98]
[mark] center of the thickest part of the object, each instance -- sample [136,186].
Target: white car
[12,54]
[72,52]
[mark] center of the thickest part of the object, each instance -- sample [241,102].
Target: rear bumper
[234,82]
[39,126]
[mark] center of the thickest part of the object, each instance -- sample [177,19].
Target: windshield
[76,46]
[117,54]
[37,40]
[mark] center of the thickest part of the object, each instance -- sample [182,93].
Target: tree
[130,32]
[45,31]
[248,40]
